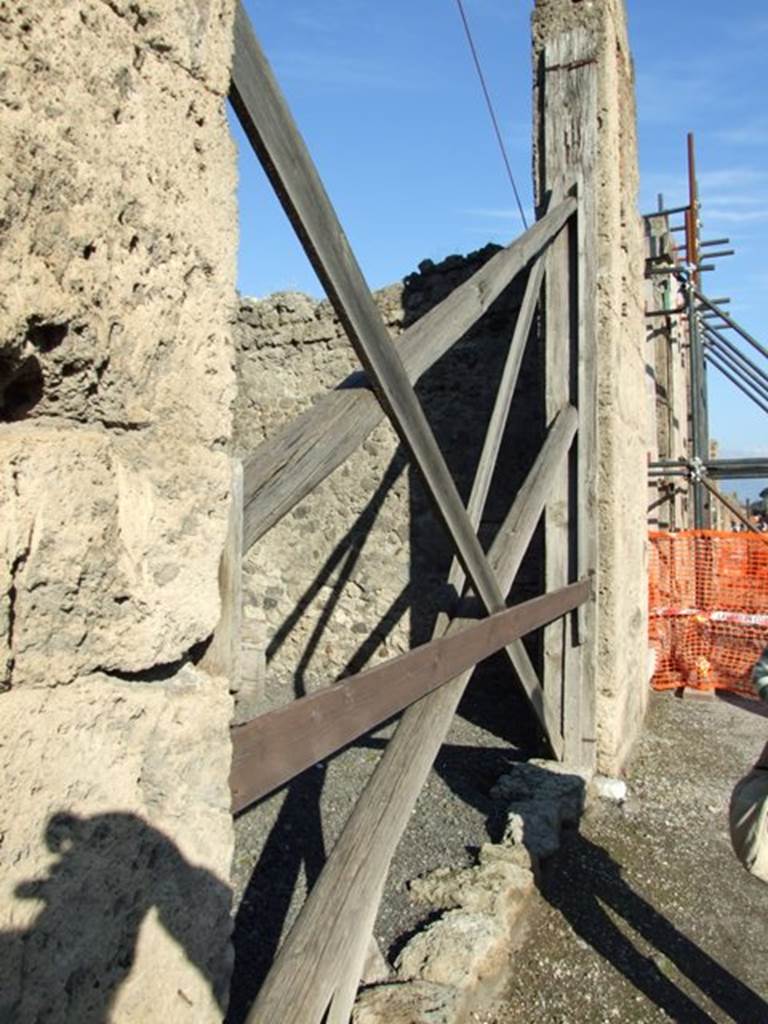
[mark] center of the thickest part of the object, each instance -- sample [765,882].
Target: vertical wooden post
[567,141]
[223,655]
[583,749]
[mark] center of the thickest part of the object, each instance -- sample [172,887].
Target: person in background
[749,800]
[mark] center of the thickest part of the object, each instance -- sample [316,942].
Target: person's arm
[760,675]
[760,682]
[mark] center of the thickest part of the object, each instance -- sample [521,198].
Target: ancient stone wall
[356,572]
[117,236]
[117,243]
[364,546]
[623,428]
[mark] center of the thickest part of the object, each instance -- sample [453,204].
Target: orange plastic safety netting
[708,608]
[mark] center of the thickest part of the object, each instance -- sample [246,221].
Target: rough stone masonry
[356,573]
[117,242]
[117,239]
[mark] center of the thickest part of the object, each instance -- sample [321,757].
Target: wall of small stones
[356,572]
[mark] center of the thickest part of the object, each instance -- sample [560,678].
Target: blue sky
[387,99]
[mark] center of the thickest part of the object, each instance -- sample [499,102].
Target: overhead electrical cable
[491,111]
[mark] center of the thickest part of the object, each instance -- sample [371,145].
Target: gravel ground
[282,842]
[645,915]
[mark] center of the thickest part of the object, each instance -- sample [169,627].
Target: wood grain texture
[312,962]
[582,743]
[286,160]
[276,746]
[290,464]
[569,139]
[516,652]
[222,657]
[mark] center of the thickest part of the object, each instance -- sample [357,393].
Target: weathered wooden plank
[343,1000]
[325,436]
[568,132]
[558,337]
[312,961]
[481,485]
[280,744]
[520,522]
[301,454]
[534,495]
[273,133]
[507,384]
[582,746]
[223,654]
[570,138]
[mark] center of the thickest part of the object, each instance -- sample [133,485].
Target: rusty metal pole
[693,211]
[698,389]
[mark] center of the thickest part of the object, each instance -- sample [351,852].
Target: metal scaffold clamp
[697,469]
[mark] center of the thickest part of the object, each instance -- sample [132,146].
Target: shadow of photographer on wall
[111,872]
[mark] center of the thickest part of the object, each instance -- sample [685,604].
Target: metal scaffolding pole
[712,358]
[716,468]
[745,467]
[750,373]
[699,424]
[732,324]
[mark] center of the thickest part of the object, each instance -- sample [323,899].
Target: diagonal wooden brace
[312,962]
[273,133]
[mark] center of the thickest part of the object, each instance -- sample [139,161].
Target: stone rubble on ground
[464,953]
[415,1002]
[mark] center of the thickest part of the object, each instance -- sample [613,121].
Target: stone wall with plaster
[623,426]
[118,240]
[356,572]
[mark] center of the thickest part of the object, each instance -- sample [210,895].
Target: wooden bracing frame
[317,971]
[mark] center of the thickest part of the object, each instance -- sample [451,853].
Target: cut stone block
[493,887]
[412,1002]
[545,780]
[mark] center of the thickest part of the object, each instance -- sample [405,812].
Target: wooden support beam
[288,466]
[343,1001]
[521,522]
[278,745]
[516,652]
[581,741]
[312,962]
[568,147]
[222,657]
[273,133]
[500,413]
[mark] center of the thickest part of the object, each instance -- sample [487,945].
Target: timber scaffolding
[316,973]
[707,323]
